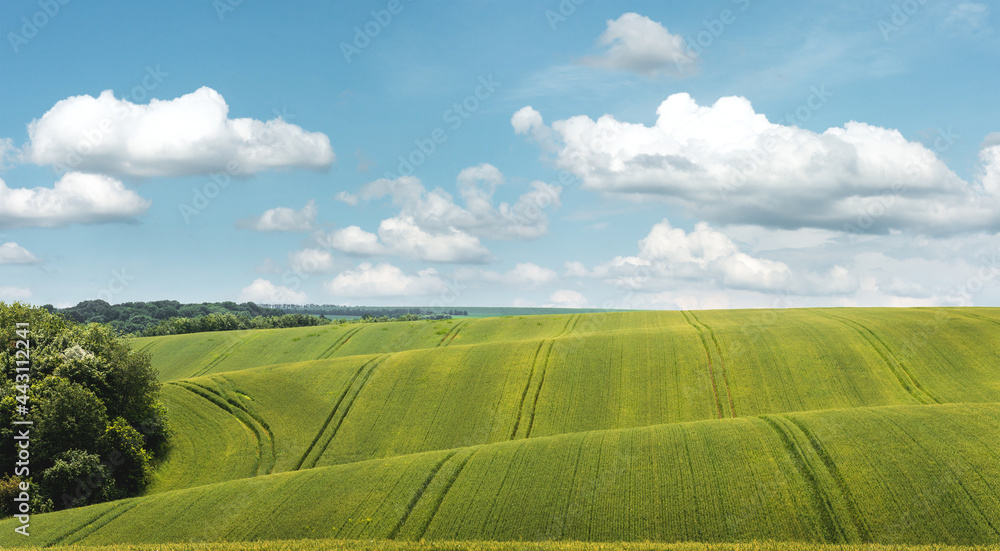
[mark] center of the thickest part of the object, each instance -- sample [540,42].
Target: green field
[819,425]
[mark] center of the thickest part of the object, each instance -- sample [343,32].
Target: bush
[78,478]
[122,445]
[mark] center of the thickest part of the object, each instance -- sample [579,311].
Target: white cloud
[310,261]
[351,240]
[668,255]
[188,135]
[14,293]
[7,151]
[637,43]
[527,274]
[969,19]
[436,210]
[404,237]
[12,253]
[347,198]
[566,298]
[268,266]
[75,198]
[263,291]
[989,154]
[283,219]
[524,275]
[384,280]
[431,227]
[730,165]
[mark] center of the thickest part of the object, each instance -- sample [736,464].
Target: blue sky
[738,153]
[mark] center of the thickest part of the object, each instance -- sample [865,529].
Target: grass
[818,425]
[388,545]
[815,476]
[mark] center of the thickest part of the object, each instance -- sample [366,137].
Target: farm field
[818,425]
[396,545]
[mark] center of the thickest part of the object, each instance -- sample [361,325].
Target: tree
[94,404]
[78,478]
[67,416]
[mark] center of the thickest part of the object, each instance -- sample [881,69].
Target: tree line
[136,317]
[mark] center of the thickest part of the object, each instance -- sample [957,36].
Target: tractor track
[708,355]
[322,440]
[266,455]
[903,375]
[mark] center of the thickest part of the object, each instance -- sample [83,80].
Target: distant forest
[142,317]
[333,310]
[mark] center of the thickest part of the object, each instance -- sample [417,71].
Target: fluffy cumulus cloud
[9,293]
[728,164]
[384,280]
[668,255]
[192,134]
[636,43]
[75,198]
[351,240]
[431,226]
[12,253]
[401,235]
[524,275]
[310,261]
[263,291]
[436,210]
[566,298]
[989,154]
[282,219]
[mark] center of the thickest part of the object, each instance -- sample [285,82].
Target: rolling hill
[819,425]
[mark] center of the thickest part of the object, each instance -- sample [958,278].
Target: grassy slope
[387,391]
[817,476]
[397,545]
[626,370]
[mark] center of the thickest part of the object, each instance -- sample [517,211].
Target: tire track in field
[357,384]
[524,394]
[236,402]
[265,444]
[458,327]
[452,331]
[831,467]
[906,379]
[440,498]
[333,413]
[978,317]
[147,347]
[832,531]
[538,392]
[253,419]
[338,344]
[416,497]
[722,364]
[221,357]
[708,355]
[570,325]
[95,524]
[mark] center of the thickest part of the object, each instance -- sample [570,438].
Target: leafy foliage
[134,317]
[94,402]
